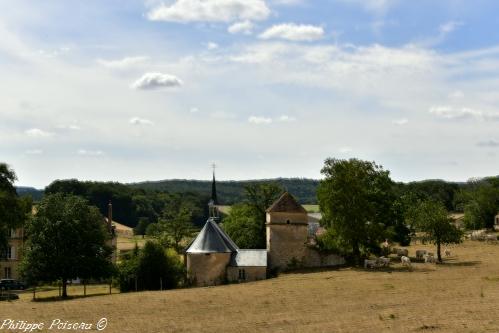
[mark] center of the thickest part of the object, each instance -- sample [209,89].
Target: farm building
[213,258]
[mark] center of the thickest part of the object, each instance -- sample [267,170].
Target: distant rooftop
[212,239]
[286,204]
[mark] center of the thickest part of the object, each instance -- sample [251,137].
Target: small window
[207,254]
[7,273]
[242,274]
[288,221]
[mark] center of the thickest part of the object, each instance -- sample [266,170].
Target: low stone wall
[314,258]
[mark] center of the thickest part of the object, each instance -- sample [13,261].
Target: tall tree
[246,221]
[66,240]
[480,203]
[432,218]
[13,210]
[357,202]
[173,227]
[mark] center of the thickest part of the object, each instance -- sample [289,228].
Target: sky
[129,90]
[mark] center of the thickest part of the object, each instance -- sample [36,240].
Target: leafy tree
[173,227]
[13,210]
[432,218]
[480,202]
[152,267]
[244,226]
[66,240]
[357,202]
[246,221]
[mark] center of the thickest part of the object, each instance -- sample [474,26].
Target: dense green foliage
[437,190]
[246,221]
[432,218]
[174,226]
[131,205]
[151,268]
[66,240]
[244,227]
[359,206]
[231,192]
[480,203]
[13,210]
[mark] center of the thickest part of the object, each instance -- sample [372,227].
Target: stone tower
[287,233]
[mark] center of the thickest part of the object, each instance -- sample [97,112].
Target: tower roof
[286,204]
[212,239]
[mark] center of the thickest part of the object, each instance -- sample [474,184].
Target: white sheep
[383,262]
[406,261]
[429,259]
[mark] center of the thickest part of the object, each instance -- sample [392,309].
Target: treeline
[231,192]
[131,206]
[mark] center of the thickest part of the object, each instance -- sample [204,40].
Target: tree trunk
[439,256]
[64,288]
[356,252]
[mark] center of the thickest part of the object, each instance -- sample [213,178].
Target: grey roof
[212,239]
[249,258]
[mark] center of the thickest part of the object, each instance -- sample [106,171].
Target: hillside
[230,192]
[461,295]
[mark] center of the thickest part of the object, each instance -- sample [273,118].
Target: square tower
[287,233]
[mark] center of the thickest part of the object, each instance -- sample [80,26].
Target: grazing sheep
[420,254]
[491,238]
[429,259]
[402,252]
[369,263]
[478,235]
[447,252]
[383,262]
[406,261]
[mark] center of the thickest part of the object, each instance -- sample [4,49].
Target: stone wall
[285,243]
[207,269]
[251,273]
[314,258]
[285,218]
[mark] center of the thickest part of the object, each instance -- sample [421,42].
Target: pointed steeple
[214,198]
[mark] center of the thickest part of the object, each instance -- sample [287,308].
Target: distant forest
[145,201]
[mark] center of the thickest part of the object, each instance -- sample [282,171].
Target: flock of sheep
[403,254]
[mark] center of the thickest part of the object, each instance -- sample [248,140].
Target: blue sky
[146,90]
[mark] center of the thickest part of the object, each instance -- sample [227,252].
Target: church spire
[214,188]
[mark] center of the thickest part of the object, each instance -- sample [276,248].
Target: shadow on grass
[69,298]
[461,263]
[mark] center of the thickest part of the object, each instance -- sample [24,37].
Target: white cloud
[34,152]
[210,11]
[259,120]
[194,110]
[150,81]
[293,32]
[84,152]
[72,127]
[140,121]
[377,6]
[449,27]
[285,118]
[124,63]
[211,46]
[488,144]
[345,150]
[38,133]
[451,113]
[244,27]
[400,122]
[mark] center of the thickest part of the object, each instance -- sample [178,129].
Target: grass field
[461,295]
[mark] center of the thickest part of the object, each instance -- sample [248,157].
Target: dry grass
[461,295]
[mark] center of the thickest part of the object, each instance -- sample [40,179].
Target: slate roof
[249,258]
[212,239]
[286,204]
